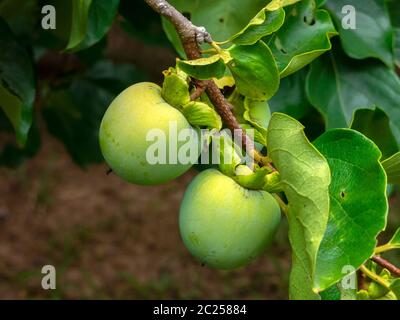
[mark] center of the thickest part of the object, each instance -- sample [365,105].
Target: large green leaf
[305,177]
[392,168]
[73,114]
[304,36]
[222,18]
[255,71]
[358,203]
[338,85]
[291,97]
[263,24]
[17,84]
[373,33]
[374,124]
[91,19]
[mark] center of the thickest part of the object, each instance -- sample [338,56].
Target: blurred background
[107,239]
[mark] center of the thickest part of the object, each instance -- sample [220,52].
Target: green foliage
[305,177]
[337,86]
[304,36]
[77,126]
[17,86]
[91,19]
[204,68]
[263,24]
[372,37]
[255,71]
[375,125]
[358,203]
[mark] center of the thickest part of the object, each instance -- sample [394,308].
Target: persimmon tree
[316,83]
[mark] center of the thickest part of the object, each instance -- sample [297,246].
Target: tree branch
[191,36]
[386,264]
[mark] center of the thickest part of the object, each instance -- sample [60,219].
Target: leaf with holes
[263,24]
[371,35]
[305,178]
[337,86]
[304,36]
[203,68]
[17,83]
[374,124]
[255,71]
[358,203]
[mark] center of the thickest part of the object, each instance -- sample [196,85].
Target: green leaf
[395,288]
[305,177]
[91,19]
[374,124]
[80,14]
[17,83]
[20,15]
[258,114]
[263,24]
[304,36]
[276,4]
[291,97]
[200,114]
[13,155]
[73,114]
[331,293]
[203,68]
[397,46]
[255,71]
[100,19]
[222,18]
[392,168]
[395,241]
[337,86]
[373,33]
[359,207]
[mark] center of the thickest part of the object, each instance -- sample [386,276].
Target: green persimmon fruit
[124,129]
[224,225]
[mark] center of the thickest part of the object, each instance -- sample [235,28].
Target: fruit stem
[373,276]
[387,265]
[283,205]
[384,248]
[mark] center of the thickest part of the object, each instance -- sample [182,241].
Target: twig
[191,36]
[373,276]
[200,88]
[386,264]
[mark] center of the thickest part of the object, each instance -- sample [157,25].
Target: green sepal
[363,295]
[249,179]
[273,183]
[175,89]
[202,115]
